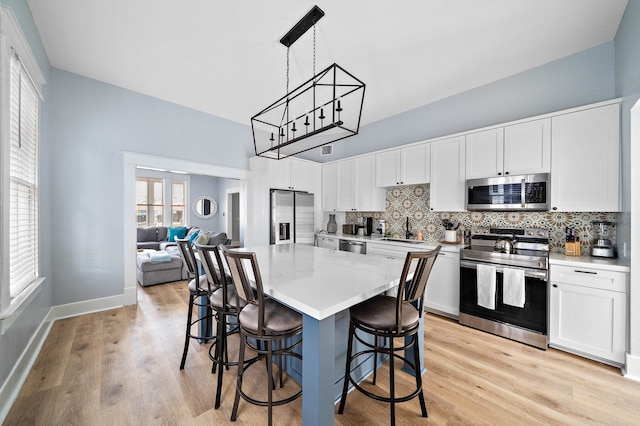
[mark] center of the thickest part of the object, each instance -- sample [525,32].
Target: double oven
[506,251]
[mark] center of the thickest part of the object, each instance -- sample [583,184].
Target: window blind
[23,179]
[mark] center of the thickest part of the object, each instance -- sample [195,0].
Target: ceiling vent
[326,150]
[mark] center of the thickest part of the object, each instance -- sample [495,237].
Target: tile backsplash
[412,201]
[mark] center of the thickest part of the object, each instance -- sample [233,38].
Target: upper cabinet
[448,174]
[404,166]
[585,169]
[330,187]
[290,173]
[348,185]
[523,148]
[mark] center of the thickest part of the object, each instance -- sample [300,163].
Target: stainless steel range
[504,283]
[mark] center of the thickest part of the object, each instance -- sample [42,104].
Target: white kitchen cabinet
[484,154]
[327,242]
[588,310]
[443,287]
[404,166]
[290,173]
[354,186]
[329,187]
[448,183]
[527,147]
[585,160]
[523,148]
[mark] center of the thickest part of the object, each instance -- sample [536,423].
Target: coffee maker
[368,226]
[603,246]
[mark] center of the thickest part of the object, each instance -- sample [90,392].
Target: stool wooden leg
[347,370]
[392,383]
[416,352]
[187,335]
[234,412]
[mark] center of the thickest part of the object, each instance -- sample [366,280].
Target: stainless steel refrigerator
[291,217]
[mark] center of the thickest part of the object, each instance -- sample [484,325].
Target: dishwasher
[359,247]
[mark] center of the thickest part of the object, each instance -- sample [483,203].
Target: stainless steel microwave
[509,193]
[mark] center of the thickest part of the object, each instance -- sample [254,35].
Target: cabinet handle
[555,285]
[554,208]
[506,173]
[585,272]
[499,173]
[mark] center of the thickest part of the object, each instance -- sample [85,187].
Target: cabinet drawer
[386,250]
[589,277]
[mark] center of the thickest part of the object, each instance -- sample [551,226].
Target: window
[23,179]
[149,202]
[20,83]
[159,196]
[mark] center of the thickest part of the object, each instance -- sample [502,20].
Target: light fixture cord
[287,92]
[314,47]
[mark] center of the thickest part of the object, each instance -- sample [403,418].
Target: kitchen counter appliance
[292,217]
[603,246]
[510,193]
[493,274]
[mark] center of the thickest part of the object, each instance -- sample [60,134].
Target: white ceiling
[224,57]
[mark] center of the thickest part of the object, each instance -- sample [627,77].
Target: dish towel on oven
[513,287]
[487,286]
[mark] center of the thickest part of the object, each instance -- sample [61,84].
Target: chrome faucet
[408,234]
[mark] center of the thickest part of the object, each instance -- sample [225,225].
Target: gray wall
[575,80]
[203,185]
[93,123]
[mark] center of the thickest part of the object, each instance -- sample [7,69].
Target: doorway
[233,216]
[132,160]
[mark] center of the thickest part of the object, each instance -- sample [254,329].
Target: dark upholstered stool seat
[199,285]
[380,313]
[277,318]
[218,300]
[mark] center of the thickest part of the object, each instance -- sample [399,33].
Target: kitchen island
[323,284]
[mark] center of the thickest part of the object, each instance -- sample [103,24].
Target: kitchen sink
[401,240]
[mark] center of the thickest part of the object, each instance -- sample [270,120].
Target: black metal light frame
[333,90]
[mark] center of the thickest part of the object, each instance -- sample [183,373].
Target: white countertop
[618,265]
[320,282]
[424,245]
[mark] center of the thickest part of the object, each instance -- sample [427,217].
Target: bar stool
[225,303]
[267,327]
[199,287]
[388,317]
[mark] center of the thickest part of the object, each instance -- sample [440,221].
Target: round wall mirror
[205,207]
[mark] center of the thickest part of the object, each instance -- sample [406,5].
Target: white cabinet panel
[527,147]
[405,166]
[443,287]
[388,168]
[290,173]
[484,154]
[327,242]
[588,309]
[448,174]
[329,187]
[523,148]
[585,160]
[349,185]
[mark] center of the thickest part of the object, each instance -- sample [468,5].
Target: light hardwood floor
[121,367]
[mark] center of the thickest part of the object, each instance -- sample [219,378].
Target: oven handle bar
[532,273]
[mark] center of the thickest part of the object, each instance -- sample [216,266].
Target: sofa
[159,260]
[161,237]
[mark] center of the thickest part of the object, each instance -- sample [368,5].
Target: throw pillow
[203,238]
[193,237]
[179,232]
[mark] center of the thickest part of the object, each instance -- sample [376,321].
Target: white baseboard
[130,295]
[12,385]
[632,367]
[88,306]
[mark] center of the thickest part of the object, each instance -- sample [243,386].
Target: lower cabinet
[443,287]
[588,311]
